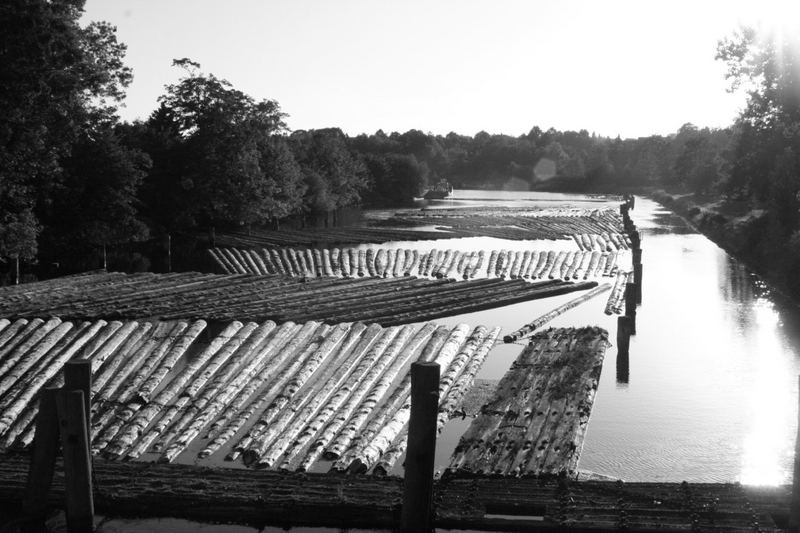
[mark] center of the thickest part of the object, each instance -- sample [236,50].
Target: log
[463,261]
[129,344]
[370,454]
[295,348]
[344,261]
[221,262]
[213,397]
[531,265]
[326,263]
[319,268]
[371,262]
[492,266]
[340,393]
[287,396]
[390,259]
[354,262]
[530,327]
[336,262]
[445,264]
[287,429]
[35,331]
[399,262]
[366,396]
[617,297]
[9,337]
[147,379]
[176,393]
[266,257]
[30,351]
[516,265]
[541,264]
[578,241]
[412,265]
[423,260]
[312,264]
[555,270]
[24,393]
[380,262]
[452,269]
[362,263]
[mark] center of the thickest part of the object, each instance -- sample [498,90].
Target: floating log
[298,349]
[616,299]
[371,270]
[336,264]
[176,394]
[363,411]
[162,356]
[362,263]
[288,427]
[560,310]
[252,452]
[535,422]
[237,413]
[370,454]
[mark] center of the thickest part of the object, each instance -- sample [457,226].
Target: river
[711,390]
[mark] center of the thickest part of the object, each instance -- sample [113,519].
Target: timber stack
[535,423]
[276,395]
[223,298]
[584,263]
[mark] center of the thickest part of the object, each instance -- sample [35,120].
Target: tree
[235,167]
[57,82]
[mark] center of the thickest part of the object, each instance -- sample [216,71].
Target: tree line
[75,178]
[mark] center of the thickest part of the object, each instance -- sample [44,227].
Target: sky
[628,68]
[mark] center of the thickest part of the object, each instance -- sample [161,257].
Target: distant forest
[74,178]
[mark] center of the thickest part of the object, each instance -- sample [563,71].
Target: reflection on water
[709,391]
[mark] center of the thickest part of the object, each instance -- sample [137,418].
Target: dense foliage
[74,179]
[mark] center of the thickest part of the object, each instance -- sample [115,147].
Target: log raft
[223,298]
[535,422]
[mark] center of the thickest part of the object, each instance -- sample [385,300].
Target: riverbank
[744,232]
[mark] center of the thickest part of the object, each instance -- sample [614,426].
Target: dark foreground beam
[261,498]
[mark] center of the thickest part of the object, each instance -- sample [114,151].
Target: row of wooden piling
[278,396]
[252,297]
[535,423]
[388,263]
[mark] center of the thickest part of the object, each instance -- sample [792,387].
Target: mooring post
[421,449]
[636,238]
[43,462]
[630,306]
[78,376]
[623,349]
[637,256]
[77,462]
[637,276]
[794,506]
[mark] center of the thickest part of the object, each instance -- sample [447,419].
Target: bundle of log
[535,422]
[505,223]
[310,500]
[253,297]
[585,263]
[286,395]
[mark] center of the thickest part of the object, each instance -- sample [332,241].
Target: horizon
[461,67]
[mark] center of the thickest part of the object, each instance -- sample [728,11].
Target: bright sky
[631,68]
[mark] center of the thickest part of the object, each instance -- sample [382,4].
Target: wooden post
[794,506]
[636,238]
[421,449]
[169,252]
[77,461]
[623,349]
[637,276]
[637,256]
[78,376]
[630,305]
[43,462]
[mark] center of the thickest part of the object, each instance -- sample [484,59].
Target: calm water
[711,393]
[711,390]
